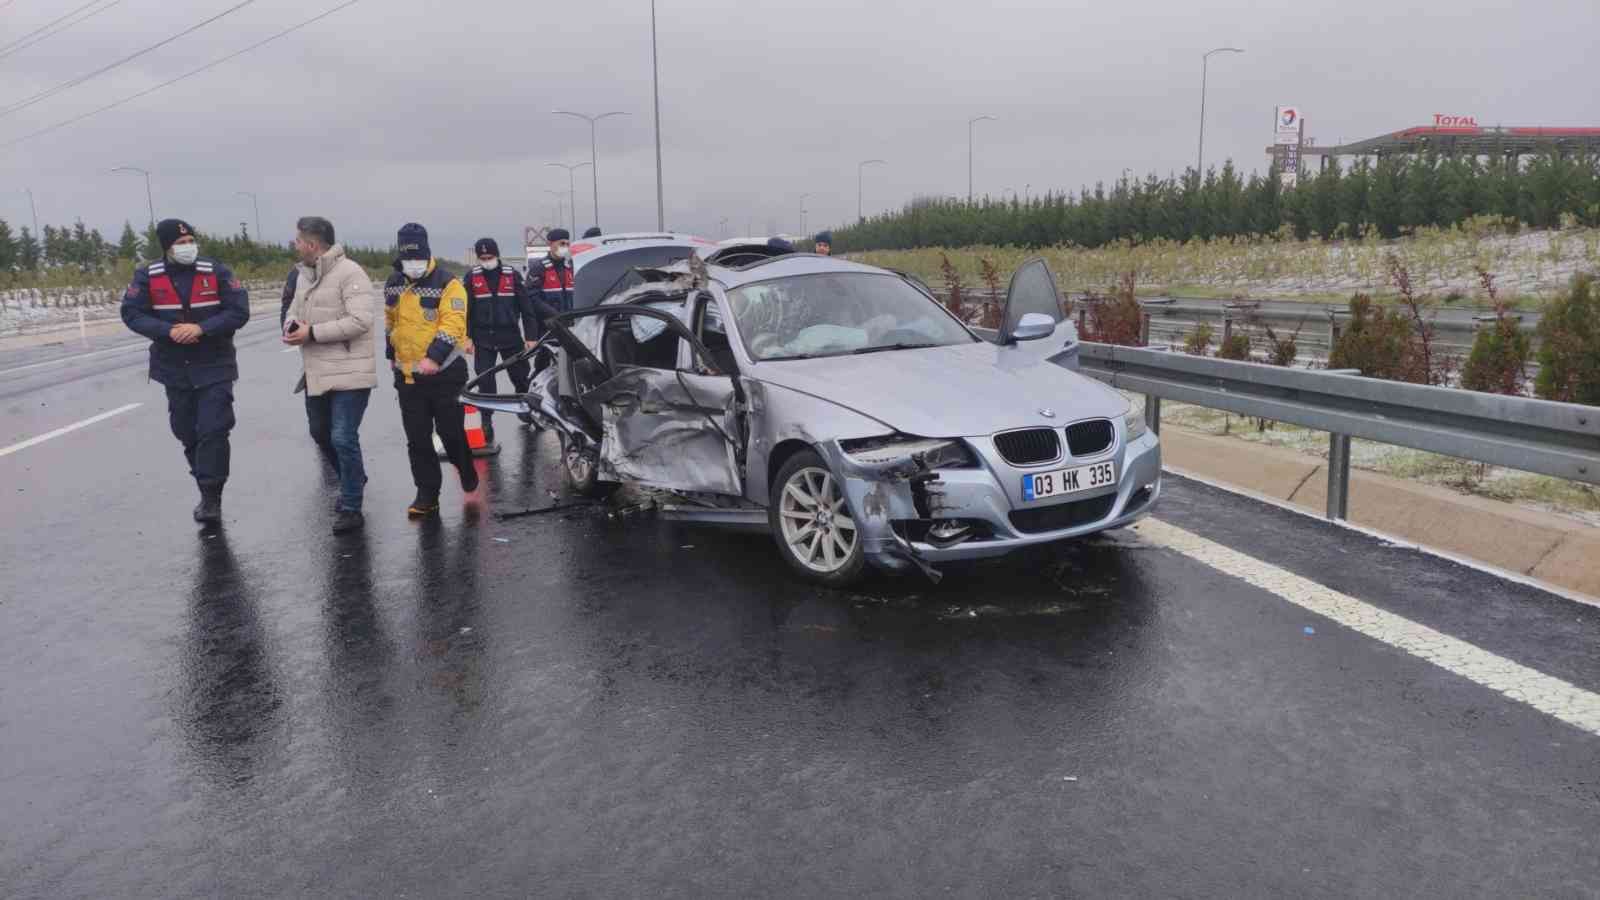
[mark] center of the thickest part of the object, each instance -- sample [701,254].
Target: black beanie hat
[558,234]
[486,245]
[780,245]
[824,237]
[169,230]
[413,240]
[594,231]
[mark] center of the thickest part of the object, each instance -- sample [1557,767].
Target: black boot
[347,520]
[426,504]
[209,509]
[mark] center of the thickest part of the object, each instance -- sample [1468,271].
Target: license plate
[1068,481]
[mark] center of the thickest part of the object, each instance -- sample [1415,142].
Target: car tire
[583,471]
[812,524]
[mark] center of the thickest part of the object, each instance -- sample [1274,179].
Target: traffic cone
[475,438]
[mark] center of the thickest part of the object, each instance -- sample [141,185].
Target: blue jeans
[335,420]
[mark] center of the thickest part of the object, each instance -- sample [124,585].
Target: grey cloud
[403,109]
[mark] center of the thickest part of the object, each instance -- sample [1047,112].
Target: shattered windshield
[838,313]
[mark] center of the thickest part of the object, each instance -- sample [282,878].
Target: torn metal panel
[664,429]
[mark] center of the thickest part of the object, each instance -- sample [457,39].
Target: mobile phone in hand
[292,327]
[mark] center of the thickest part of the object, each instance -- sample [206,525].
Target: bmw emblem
[1047,412]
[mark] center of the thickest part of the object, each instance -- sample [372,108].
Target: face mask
[560,252]
[414,268]
[185,254]
[490,263]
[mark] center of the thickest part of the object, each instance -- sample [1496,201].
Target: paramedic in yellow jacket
[425,309]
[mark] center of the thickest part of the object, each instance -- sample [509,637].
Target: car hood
[961,391]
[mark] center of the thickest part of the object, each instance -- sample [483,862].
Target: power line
[208,66]
[47,24]
[126,59]
[14,48]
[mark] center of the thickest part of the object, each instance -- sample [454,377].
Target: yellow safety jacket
[426,318]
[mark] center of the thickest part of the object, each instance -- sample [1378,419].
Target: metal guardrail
[1558,439]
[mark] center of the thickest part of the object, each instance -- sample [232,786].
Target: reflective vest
[479,283]
[202,294]
[555,281]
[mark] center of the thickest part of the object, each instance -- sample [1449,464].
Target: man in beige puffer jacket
[330,320]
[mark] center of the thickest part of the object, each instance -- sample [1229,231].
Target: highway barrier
[1556,439]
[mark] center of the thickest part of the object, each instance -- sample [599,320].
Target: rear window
[592,282]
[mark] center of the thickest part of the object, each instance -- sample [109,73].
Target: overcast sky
[439,112]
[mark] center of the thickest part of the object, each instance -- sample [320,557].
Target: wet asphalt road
[578,705]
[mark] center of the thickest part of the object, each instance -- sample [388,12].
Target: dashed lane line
[66,429]
[1549,695]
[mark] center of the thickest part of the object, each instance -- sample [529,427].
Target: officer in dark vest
[501,323]
[550,279]
[189,306]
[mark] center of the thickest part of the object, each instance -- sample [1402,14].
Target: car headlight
[933,453]
[1133,424]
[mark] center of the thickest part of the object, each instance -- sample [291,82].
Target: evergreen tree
[1383,201]
[100,251]
[1324,212]
[79,249]
[128,244]
[8,248]
[54,246]
[28,251]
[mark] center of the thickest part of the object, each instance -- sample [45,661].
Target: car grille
[1089,438]
[1029,446]
[1063,515]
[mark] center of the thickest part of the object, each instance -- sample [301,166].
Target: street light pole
[594,163]
[970,123]
[35,210]
[561,204]
[1205,64]
[860,166]
[655,86]
[803,213]
[255,206]
[148,197]
[572,190]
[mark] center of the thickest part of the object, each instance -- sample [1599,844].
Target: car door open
[1033,320]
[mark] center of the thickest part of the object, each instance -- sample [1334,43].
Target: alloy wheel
[816,522]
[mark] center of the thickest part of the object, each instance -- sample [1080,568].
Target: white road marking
[1403,543]
[121,348]
[1550,695]
[67,429]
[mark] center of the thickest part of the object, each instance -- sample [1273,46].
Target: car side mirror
[1034,326]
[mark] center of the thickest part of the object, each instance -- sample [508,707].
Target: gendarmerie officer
[550,279]
[500,322]
[189,306]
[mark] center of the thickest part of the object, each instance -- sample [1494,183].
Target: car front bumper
[883,501]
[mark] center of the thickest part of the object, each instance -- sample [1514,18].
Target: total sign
[1288,125]
[1454,121]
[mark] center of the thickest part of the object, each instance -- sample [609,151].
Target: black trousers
[429,404]
[201,419]
[484,359]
